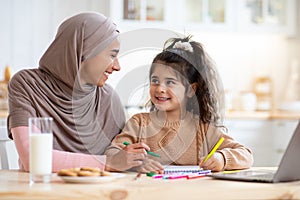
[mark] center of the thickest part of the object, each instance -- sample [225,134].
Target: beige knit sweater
[181,142]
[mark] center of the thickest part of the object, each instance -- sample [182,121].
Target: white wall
[28,27]
[242,57]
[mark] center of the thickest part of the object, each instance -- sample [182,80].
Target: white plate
[91,179]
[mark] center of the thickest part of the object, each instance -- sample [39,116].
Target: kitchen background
[255,44]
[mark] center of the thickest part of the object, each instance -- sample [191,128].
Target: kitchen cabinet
[267,139]
[205,15]
[273,16]
[180,15]
[256,135]
[282,133]
[268,16]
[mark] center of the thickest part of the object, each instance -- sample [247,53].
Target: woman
[69,86]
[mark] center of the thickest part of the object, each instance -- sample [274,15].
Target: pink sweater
[60,159]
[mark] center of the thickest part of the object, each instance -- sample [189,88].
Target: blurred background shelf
[263,115]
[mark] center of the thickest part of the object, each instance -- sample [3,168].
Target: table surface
[15,185]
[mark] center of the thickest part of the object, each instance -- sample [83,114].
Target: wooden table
[15,185]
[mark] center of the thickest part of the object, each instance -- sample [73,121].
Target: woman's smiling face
[96,70]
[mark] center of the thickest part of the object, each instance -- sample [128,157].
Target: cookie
[91,169]
[66,172]
[105,173]
[75,169]
[83,171]
[88,173]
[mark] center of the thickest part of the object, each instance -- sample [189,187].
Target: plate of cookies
[87,175]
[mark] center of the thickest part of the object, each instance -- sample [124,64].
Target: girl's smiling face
[167,91]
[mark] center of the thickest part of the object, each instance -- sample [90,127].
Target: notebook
[182,169]
[288,170]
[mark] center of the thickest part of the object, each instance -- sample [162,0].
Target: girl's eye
[113,56]
[170,82]
[154,81]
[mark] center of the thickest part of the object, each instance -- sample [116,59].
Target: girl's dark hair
[195,66]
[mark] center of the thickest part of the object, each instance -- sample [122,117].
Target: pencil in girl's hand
[148,152]
[214,149]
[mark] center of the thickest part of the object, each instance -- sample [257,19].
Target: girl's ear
[192,90]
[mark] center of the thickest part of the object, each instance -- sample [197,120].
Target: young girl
[185,120]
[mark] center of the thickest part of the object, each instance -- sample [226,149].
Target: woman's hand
[130,156]
[150,165]
[215,163]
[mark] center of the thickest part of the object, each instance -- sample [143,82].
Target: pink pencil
[158,176]
[175,176]
[193,176]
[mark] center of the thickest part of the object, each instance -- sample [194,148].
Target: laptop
[288,170]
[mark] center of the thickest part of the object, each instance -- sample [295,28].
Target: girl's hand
[130,156]
[150,165]
[215,163]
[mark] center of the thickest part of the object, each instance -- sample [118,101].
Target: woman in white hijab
[69,86]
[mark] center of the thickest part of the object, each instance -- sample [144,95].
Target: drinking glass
[40,145]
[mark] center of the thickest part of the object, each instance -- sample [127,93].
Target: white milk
[41,145]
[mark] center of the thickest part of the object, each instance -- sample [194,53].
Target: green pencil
[148,152]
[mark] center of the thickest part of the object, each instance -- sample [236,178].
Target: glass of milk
[40,149]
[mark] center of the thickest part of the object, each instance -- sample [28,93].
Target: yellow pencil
[214,149]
